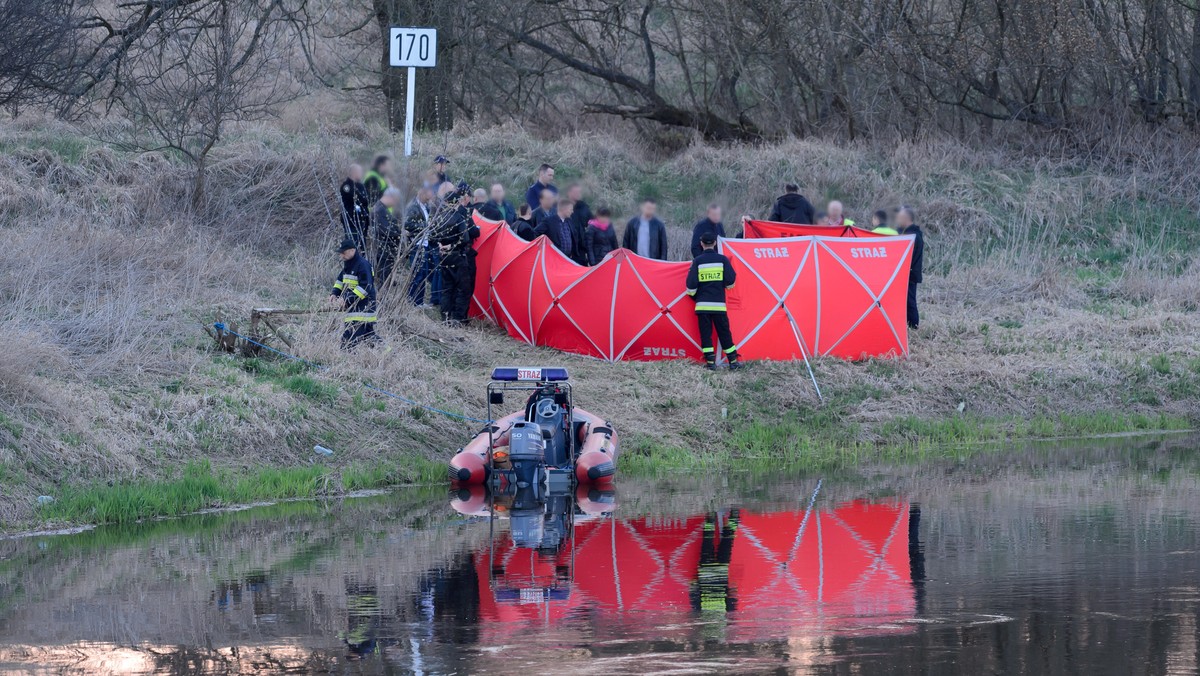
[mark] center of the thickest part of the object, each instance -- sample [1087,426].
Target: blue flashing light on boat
[530,374]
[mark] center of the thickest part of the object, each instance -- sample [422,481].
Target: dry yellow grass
[1054,286]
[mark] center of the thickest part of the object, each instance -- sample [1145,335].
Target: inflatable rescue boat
[548,442]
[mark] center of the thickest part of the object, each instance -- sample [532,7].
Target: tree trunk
[199,181]
[1194,71]
[434,105]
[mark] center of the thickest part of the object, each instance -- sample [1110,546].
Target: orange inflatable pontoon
[549,441]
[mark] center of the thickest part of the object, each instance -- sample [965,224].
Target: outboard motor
[527,452]
[526,521]
[552,418]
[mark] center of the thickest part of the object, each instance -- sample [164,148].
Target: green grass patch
[802,446]
[310,387]
[14,428]
[201,486]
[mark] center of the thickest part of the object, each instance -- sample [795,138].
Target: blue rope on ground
[221,327]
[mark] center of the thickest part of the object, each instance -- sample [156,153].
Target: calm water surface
[1052,561]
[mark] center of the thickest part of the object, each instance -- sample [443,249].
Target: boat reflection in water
[761,574]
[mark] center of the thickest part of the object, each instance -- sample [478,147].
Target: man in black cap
[440,164]
[451,222]
[458,277]
[792,207]
[708,278]
[354,292]
[355,205]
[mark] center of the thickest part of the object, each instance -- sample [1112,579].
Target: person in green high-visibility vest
[376,180]
[879,224]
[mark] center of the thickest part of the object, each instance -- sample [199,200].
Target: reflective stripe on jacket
[710,274]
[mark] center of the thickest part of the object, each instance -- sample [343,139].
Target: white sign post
[412,48]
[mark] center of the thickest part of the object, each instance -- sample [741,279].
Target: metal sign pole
[412,48]
[410,108]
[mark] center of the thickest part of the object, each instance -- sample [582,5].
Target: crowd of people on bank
[431,236]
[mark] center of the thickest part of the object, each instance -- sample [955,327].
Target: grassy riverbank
[1061,301]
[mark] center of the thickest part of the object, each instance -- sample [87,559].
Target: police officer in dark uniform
[354,206]
[440,164]
[455,237]
[354,292]
[458,278]
[709,276]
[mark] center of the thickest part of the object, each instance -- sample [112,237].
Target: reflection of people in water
[710,590]
[916,556]
[362,620]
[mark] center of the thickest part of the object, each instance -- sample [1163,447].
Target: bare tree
[35,44]
[646,61]
[198,71]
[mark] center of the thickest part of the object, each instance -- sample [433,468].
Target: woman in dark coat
[600,238]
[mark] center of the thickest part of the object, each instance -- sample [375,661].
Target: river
[1053,560]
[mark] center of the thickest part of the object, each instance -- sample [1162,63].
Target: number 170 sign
[413,47]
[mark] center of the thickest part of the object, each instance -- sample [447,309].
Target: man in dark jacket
[792,207]
[905,222]
[710,223]
[545,181]
[708,278]
[524,226]
[387,232]
[354,292]
[600,239]
[545,209]
[376,180]
[507,212]
[485,208]
[581,213]
[355,206]
[645,235]
[561,233]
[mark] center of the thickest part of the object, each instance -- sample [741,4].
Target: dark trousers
[459,287]
[387,262]
[425,261]
[914,315]
[720,321]
[357,333]
[436,285]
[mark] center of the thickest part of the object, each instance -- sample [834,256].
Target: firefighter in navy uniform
[709,276]
[355,206]
[354,292]
[710,591]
